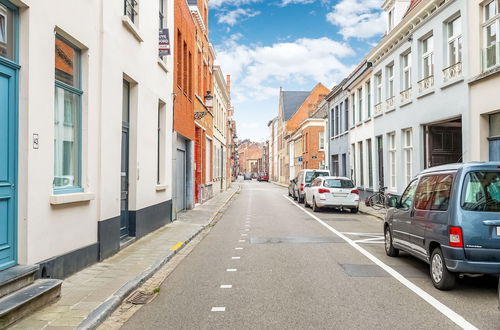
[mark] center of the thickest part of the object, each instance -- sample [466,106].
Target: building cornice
[422,13]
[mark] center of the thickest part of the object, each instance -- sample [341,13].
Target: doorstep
[89,296]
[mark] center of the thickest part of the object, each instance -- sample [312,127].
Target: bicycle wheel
[376,201]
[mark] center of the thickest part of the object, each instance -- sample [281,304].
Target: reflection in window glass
[338,183]
[67,66]
[409,194]
[495,125]
[442,191]
[6,32]
[424,192]
[310,176]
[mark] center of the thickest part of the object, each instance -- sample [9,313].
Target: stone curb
[105,309]
[371,214]
[279,184]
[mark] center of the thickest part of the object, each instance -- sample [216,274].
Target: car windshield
[338,183]
[310,176]
[482,191]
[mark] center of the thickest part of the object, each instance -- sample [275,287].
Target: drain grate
[295,240]
[140,298]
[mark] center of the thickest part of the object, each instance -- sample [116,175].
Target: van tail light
[355,191]
[456,238]
[323,190]
[301,187]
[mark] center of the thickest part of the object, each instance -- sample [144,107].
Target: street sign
[164,43]
[300,159]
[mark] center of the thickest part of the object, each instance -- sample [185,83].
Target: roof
[292,100]
[413,4]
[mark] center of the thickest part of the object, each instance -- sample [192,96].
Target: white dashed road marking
[231,270]
[226,286]
[238,248]
[236,258]
[218,309]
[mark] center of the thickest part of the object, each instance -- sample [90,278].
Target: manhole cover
[140,298]
[295,240]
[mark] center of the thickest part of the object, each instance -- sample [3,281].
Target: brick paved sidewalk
[84,291]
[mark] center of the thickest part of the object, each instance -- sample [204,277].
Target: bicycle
[379,200]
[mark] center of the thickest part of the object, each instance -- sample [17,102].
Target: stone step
[16,278]
[27,300]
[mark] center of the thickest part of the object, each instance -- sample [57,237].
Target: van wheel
[441,277]
[390,250]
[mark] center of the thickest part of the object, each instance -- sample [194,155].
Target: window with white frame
[353,109]
[408,154]
[454,41]
[390,80]
[392,160]
[368,90]
[406,70]
[130,9]
[67,117]
[378,91]
[337,121]
[360,104]
[321,140]
[491,31]
[161,136]
[427,57]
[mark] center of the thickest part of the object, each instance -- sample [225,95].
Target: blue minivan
[449,216]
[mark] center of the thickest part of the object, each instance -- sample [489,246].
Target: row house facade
[85,130]
[424,96]
[221,108]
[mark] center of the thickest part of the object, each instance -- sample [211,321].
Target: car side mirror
[394,202]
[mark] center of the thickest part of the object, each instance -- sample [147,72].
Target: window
[481,192]
[392,160]
[346,112]
[353,162]
[361,165]
[495,125]
[190,76]
[427,57]
[408,154]
[162,13]
[337,121]
[208,160]
[185,68]
[370,162]
[130,8]
[491,28]
[424,192]
[378,86]
[406,65]
[353,110]
[454,34]
[335,165]
[360,104]
[67,117]
[390,81]
[409,194]
[6,32]
[441,194]
[332,122]
[390,19]
[179,58]
[368,99]
[338,183]
[321,140]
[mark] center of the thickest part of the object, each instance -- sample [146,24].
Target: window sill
[426,92]
[59,199]
[162,65]
[378,114]
[132,28]
[405,103]
[452,82]
[161,187]
[368,120]
[359,124]
[390,110]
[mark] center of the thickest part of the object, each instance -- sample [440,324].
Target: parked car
[263,177]
[449,216]
[332,191]
[304,179]
[247,176]
[291,188]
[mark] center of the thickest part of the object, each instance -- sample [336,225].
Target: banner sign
[164,43]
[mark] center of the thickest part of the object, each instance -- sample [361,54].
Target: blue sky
[294,44]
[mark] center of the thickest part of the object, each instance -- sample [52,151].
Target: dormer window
[390,19]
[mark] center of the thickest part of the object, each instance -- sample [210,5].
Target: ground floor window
[408,154]
[335,165]
[392,160]
[370,162]
[361,165]
[494,139]
[344,165]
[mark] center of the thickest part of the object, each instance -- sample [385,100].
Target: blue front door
[8,156]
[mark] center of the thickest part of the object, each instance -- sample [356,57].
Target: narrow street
[267,264]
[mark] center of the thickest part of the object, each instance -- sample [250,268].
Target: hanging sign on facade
[164,43]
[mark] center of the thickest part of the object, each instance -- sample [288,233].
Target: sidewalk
[92,294]
[371,211]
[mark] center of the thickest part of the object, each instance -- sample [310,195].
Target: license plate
[339,195]
[498,231]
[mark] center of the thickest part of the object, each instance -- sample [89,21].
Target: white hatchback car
[332,191]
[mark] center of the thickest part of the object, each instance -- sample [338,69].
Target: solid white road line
[368,240]
[445,310]
[226,286]
[231,270]
[218,309]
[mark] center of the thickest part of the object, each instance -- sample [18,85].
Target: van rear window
[481,191]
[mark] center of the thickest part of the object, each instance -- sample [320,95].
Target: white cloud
[358,18]
[219,3]
[290,2]
[234,16]
[258,71]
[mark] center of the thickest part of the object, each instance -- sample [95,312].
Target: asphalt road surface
[270,264]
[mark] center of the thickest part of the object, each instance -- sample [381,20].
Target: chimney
[228,83]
